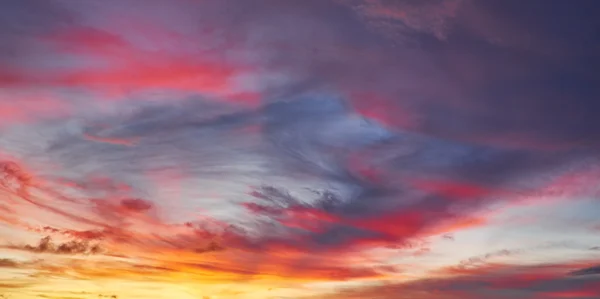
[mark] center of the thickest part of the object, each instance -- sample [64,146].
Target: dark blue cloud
[587,271]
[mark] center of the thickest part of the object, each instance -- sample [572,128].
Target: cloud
[136,205]
[8,263]
[456,98]
[71,247]
[329,186]
[498,281]
[368,187]
[72,297]
[81,56]
[429,17]
[518,253]
[587,271]
[484,259]
[21,23]
[115,141]
[20,106]
[295,139]
[11,286]
[461,105]
[81,235]
[398,206]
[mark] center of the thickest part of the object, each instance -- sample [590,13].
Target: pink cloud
[17,107]
[123,66]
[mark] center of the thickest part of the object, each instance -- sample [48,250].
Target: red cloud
[122,65]
[393,228]
[109,140]
[136,204]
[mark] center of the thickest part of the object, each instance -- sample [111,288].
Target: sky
[299,149]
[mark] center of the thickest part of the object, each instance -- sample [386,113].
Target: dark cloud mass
[46,245]
[587,271]
[219,144]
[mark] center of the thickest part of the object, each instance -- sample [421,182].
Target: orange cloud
[132,228]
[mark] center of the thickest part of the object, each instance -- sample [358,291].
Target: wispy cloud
[498,281]
[47,246]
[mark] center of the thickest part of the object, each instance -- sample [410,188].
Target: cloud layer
[299,149]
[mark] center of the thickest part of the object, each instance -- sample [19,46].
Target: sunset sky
[299,149]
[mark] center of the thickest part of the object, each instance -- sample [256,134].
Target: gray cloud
[587,271]
[541,281]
